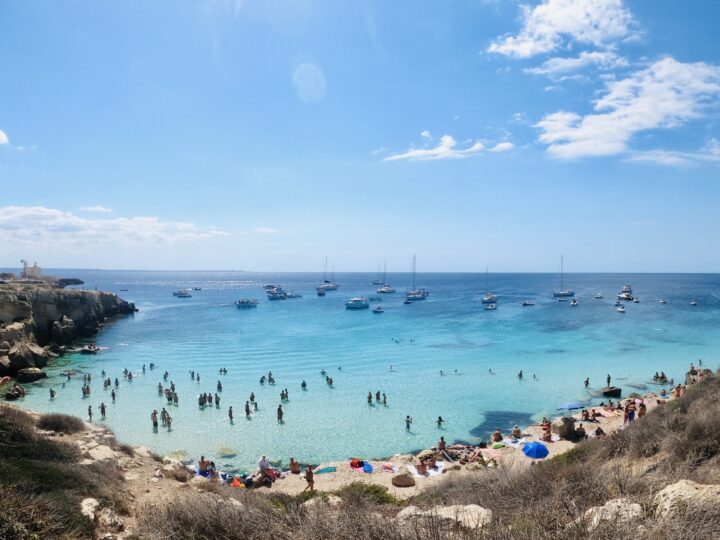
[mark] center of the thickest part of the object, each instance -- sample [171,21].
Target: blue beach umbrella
[535,450]
[570,406]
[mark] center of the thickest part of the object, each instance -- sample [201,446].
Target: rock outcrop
[470,516]
[37,319]
[683,496]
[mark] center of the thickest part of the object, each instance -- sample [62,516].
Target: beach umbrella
[535,450]
[570,406]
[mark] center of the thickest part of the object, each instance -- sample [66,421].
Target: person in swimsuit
[309,478]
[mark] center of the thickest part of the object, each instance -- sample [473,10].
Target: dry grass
[62,423]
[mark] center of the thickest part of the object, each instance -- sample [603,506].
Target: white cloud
[709,153]
[502,147]
[425,134]
[96,209]
[603,59]
[264,230]
[446,149]
[39,226]
[3,137]
[665,95]
[555,23]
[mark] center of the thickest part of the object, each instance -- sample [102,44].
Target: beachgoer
[497,436]
[369,398]
[520,375]
[102,411]
[587,382]
[441,444]
[516,433]
[255,406]
[294,466]
[154,418]
[280,413]
[52,393]
[168,421]
[440,421]
[309,478]
[247,409]
[252,397]
[580,432]
[408,421]
[264,464]
[90,412]
[384,399]
[230,413]
[303,385]
[112,395]
[608,379]
[599,433]
[377,396]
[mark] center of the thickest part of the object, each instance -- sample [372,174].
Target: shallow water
[450,331]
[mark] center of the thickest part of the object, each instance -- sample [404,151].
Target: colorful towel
[325,470]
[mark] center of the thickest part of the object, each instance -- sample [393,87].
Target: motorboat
[620,309]
[197,288]
[636,300]
[407,301]
[357,302]
[598,296]
[378,309]
[269,287]
[320,291]
[278,293]
[563,292]
[386,289]
[292,294]
[182,293]
[246,303]
[419,293]
[528,303]
[618,303]
[573,302]
[491,307]
[90,349]
[488,297]
[625,294]
[693,303]
[663,301]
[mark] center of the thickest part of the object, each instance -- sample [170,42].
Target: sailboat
[489,297]
[386,288]
[380,280]
[328,284]
[563,292]
[415,294]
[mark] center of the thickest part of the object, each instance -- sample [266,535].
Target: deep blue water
[296,339]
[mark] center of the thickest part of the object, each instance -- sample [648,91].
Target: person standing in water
[369,398]
[520,375]
[280,413]
[112,395]
[52,393]
[90,413]
[587,382]
[102,411]
[408,422]
[230,414]
[440,421]
[608,379]
[154,419]
[247,409]
[384,399]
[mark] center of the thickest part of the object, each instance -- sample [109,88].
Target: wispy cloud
[3,137]
[666,94]
[96,209]
[709,153]
[556,23]
[502,147]
[559,65]
[40,226]
[447,148]
[264,230]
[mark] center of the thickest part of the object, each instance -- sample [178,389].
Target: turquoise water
[296,339]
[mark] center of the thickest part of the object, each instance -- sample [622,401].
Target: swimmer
[102,411]
[369,398]
[303,385]
[408,422]
[440,421]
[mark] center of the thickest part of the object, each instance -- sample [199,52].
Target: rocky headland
[39,320]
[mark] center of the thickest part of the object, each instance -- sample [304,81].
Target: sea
[445,356]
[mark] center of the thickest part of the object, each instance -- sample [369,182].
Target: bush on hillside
[62,423]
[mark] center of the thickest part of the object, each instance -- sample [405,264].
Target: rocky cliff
[38,320]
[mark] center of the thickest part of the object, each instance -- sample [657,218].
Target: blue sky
[267,135]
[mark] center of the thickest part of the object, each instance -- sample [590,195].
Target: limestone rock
[563,426]
[100,452]
[320,500]
[403,480]
[63,331]
[427,453]
[88,507]
[31,374]
[678,497]
[25,354]
[4,365]
[618,511]
[107,519]
[469,516]
[175,469]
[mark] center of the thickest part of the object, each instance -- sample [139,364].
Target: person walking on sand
[310,479]
[280,413]
[102,411]
[408,422]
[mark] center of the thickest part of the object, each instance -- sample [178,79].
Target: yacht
[278,293]
[528,303]
[328,284]
[626,294]
[573,302]
[386,289]
[183,293]
[491,307]
[620,309]
[563,292]
[378,309]
[380,279]
[419,293]
[320,291]
[291,294]
[598,296]
[357,302]
[246,303]
[488,297]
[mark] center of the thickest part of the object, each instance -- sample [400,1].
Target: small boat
[269,287]
[123,290]
[693,303]
[246,303]
[528,303]
[612,391]
[618,303]
[491,307]
[663,301]
[278,293]
[407,301]
[197,288]
[90,349]
[386,289]
[636,300]
[598,296]
[291,294]
[357,302]
[182,293]
[488,297]
[415,294]
[563,292]
[621,309]
[573,302]
[378,309]
[320,291]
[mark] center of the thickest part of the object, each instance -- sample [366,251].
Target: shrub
[359,491]
[62,423]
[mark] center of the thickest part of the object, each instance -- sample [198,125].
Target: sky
[267,135]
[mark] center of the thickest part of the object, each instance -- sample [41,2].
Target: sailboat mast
[384,278]
[561,272]
[325,271]
[413,273]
